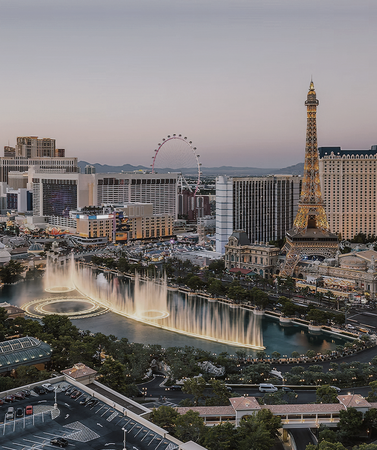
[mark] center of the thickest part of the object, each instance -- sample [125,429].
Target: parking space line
[104,412]
[33,442]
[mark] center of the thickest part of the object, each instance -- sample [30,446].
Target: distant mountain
[297,169]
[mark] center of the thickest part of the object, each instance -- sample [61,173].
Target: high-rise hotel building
[263,207]
[348,184]
[32,151]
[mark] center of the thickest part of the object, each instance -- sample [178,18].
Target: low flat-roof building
[25,351]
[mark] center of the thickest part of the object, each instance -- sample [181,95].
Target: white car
[49,387]
[336,388]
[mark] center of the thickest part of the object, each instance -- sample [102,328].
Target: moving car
[59,442]
[286,389]
[176,387]
[336,388]
[267,387]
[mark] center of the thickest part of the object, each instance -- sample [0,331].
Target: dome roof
[353,262]
[36,248]
[4,256]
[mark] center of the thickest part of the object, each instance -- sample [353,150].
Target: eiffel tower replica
[310,235]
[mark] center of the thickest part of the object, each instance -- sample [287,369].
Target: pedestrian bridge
[292,416]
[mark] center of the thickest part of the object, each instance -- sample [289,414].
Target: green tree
[370,420]
[190,427]
[10,272]
[325,445]
[372,395]
[194,283]
[326,394]
[113,375]
[164,417]
[57,326]
[350,422]
[325,434]
[254,435]
[221,394]
[221,437]
[195,387]
[217,266]
[215,287]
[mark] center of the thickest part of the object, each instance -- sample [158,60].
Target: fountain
[56,271]
[150,302]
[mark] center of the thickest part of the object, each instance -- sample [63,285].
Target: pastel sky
[110,78]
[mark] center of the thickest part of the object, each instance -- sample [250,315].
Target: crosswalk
[83,433]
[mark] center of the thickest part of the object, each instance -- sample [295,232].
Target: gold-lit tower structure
[310,235]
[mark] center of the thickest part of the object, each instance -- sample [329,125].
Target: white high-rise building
[348,185]
[119,188]
[224,211]
[263,207]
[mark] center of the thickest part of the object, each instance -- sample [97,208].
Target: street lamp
[124,438]
[56,401]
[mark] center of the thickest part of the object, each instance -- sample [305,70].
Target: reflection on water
[285,340]
[68,307]
[152,303]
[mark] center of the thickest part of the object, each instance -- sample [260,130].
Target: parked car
[26,392]
[69,390]
[39,390]
[10,413]
[59,441]
[76,394]
[49,387]
[1,402]
[9,398]
[85,400]
[92,402]
[176,387]
[29,410]
[19,395]
[20,412]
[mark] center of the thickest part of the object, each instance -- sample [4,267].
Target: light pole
[56,401]
[124,438]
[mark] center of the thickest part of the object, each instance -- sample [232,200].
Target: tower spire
[310,234]
[311,211]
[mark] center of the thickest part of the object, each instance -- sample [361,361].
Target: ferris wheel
[177,154]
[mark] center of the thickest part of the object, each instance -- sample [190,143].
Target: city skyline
[109,80]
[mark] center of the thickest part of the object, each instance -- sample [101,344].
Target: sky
[110,79]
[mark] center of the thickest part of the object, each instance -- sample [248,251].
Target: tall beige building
[34,147]
[348,184]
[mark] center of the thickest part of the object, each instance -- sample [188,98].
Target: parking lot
[84,426]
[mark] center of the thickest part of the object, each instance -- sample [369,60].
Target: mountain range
[297,169]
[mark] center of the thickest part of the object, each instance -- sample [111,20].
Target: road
[154,391]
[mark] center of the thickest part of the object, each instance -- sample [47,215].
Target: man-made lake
[275,337]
